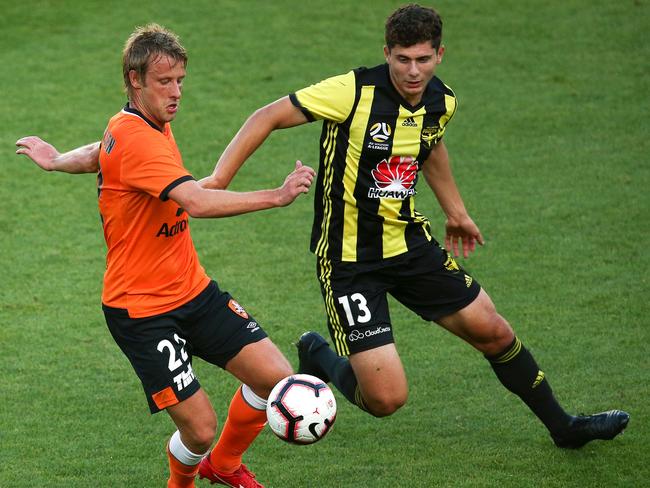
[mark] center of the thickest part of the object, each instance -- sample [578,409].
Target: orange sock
[240,429]
[180,475]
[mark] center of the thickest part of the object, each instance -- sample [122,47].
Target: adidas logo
[409,122]
[539,379]
[468,281]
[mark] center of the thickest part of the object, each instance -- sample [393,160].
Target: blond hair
[146,43]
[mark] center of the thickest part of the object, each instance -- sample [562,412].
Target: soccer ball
[301,409]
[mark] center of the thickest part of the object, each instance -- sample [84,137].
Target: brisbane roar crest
[237,308]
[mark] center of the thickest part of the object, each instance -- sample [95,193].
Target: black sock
[518,372]
[341,375]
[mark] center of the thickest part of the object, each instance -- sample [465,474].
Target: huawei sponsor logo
[394,178]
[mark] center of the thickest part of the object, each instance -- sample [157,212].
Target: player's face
[412,67]
[158,96]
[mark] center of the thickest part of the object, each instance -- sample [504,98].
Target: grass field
[550,150]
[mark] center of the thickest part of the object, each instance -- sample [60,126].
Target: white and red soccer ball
[301,409]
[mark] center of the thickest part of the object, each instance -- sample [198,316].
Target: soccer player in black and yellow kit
[382,128]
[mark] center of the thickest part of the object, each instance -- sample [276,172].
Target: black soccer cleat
[586,428]
[307,345]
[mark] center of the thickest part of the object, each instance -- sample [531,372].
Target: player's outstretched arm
[84,159]
[202,202]
[280,114]
[460,228]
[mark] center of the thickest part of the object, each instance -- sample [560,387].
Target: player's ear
[134,79]
[386,52]
[440,53]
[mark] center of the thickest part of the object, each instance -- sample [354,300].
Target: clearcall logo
[356,335]
[394,178]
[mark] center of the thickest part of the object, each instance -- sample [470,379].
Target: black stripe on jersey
[164,195]
[296,103]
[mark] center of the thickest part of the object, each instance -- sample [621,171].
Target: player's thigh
[480,325]
[433,285]
[356,304]
[260,365]
[380,374]
[225,334]
[219,327]
[158,350]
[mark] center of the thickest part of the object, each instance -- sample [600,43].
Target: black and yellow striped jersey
[372,146]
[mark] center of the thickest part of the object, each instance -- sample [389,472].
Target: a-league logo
[380,132]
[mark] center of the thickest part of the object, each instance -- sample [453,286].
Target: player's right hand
[42,153]
[297,182]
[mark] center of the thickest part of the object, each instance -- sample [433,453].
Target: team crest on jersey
[237,308]
[394,178]
[380,134]
[431,135]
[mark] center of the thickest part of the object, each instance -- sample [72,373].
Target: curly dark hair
[413,24]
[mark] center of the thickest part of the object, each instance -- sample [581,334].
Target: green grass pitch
[550,151]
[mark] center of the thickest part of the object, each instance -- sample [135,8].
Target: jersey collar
[127,108]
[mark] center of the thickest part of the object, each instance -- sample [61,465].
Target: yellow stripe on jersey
[328,146]
[351,212]
[338,334]
[406,143]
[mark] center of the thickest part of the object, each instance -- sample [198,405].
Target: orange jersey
[151,264]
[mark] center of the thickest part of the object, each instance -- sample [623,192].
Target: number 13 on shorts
[356,309]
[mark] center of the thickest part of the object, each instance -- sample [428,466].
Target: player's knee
[498,335]
[204,439]
[199,438]
[385,406]
[263,384]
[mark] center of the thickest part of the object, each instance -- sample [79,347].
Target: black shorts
[428,281]
[211,326]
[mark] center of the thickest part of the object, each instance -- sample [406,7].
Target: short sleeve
[331,99]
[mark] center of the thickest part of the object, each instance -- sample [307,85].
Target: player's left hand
[42,153]
[297,182]
[463,232]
